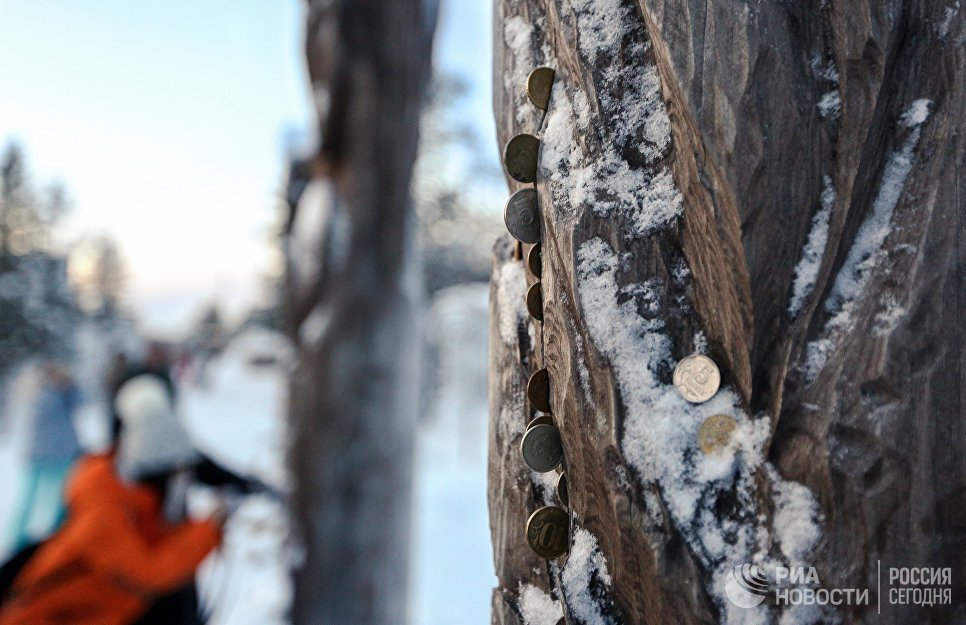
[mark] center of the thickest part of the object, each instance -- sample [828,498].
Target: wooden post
[775,187]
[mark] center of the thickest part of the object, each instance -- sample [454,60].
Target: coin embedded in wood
[539,83]
[520,157]
[522,217]
[548,532]
[535,301]
[715,433]
[538,390]
[542,419]
[541,448]
[562,490]
[535,260]
[697,378]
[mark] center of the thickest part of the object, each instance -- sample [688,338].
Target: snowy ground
[236,418]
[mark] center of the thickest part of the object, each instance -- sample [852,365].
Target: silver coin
[542,419]
[541,447]
[520,157]
[522,217]
[697,378]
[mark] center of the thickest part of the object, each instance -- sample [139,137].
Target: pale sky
[167,123]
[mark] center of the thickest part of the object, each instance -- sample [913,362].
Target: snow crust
[640,190]
[830,105]
[796,520]
[806,271]
[538,607]
[868,249]
[586,569]
[517,33]
[511,295]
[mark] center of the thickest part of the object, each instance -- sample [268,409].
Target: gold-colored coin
[520,157]
[535,261]
[539,84]
[562,494]
[715,433]
[548,532]
[697,378]
[535,301]
[538,390]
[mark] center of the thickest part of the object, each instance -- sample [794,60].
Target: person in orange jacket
[118,553]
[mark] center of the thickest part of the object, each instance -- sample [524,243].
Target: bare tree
[775,186]
[352,293]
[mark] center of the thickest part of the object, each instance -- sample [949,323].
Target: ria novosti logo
[746,586]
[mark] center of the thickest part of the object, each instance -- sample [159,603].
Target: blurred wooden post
[775,185]
[352,298]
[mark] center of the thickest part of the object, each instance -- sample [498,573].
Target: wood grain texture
[861,379]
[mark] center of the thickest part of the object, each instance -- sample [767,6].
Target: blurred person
[54,446]
[125,555]
[155,364]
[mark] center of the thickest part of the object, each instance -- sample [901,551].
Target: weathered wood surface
[352,297]
[815,255]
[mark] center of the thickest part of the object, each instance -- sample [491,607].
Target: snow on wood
[625,180]
[868,249]
[806,271]
[586,582]
[830,105]
[538,607]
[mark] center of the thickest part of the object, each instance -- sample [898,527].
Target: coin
[541,448]
[548,532]
[535,301]
[535,260]
[697,378]
[547,419]
[522,217]
[539,83]
[562,490]
[538,390]
[520,157]
[715,433]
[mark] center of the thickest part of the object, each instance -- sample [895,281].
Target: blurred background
[143,154]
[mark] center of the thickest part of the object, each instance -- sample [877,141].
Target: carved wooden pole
[775,187]
[352,297]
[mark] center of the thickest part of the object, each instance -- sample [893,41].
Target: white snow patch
[584,563]
[660,426]
[806,271]
[700,343]
[889,317]
[647,200]
[518,34]
[826,71]
[830,105]
[949,16]
[632,104]
[868,248]
[797,516]
[546,485]
[511,294]
[538,607]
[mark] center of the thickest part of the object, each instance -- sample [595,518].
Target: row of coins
[548,528]
[697,379]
